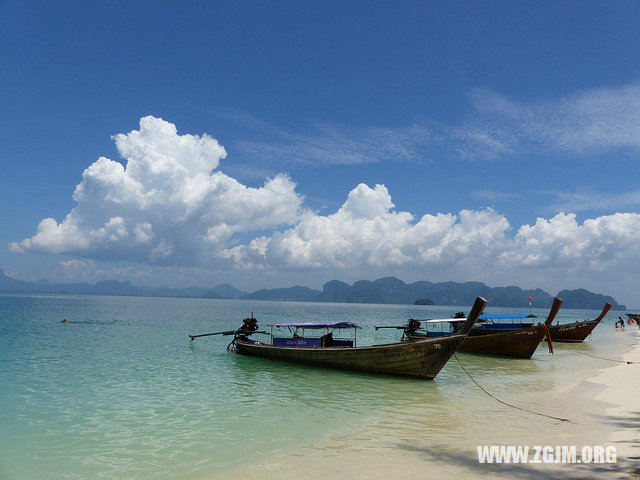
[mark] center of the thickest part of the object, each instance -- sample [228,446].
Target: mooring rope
[505,403]
[608,359]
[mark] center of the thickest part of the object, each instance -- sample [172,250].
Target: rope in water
[608,359]
[505,403]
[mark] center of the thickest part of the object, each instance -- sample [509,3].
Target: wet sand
[410,441]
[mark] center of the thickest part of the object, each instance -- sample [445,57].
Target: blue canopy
[502,317]
[316,324]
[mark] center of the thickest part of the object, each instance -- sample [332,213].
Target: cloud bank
[367,233]
[166,205]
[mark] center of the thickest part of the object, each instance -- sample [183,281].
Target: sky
[279,143]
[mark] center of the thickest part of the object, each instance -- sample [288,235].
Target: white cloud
[332,144]
[495,196]
[366,232]
[585,199]
[604,244]
[342,145]
[75,264]
[366,235]
[166,205]
[582,123]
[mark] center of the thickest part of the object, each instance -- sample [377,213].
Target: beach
[621,389]
[600,403]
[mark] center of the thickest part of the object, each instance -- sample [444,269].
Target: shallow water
[119,391]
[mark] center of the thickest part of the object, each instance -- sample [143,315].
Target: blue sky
[527,108]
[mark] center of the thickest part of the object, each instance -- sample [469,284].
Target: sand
[603,406]
[622,392]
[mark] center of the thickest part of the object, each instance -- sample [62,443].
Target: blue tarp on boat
[297,342]
[310,342]
[316,324]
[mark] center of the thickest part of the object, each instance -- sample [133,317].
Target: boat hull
[572,332]
[517,343]
[421,359]
[510,343]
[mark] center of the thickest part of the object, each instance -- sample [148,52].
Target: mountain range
[384,290]
[114,287]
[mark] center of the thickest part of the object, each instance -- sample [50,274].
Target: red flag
[530,299]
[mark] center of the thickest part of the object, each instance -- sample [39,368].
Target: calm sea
[119,391]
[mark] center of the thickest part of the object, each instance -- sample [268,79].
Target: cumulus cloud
[606,243]
[366,231]
[367,234]
[166,204]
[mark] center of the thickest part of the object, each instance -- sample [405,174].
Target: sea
[119,391]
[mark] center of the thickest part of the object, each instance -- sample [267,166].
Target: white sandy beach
[622,391]
[601,402]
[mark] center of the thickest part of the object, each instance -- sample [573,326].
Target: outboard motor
[249,325]
[412,325]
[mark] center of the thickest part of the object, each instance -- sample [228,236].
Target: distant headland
[389,290]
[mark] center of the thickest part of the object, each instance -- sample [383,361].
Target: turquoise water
[120,392]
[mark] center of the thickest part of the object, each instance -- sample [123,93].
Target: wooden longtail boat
[576,332]
[508,342]
[421,359]
[635,317]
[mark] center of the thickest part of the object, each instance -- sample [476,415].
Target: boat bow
[555,307]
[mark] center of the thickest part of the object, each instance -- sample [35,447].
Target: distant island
[389,290]
[424,301]
[394,291]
